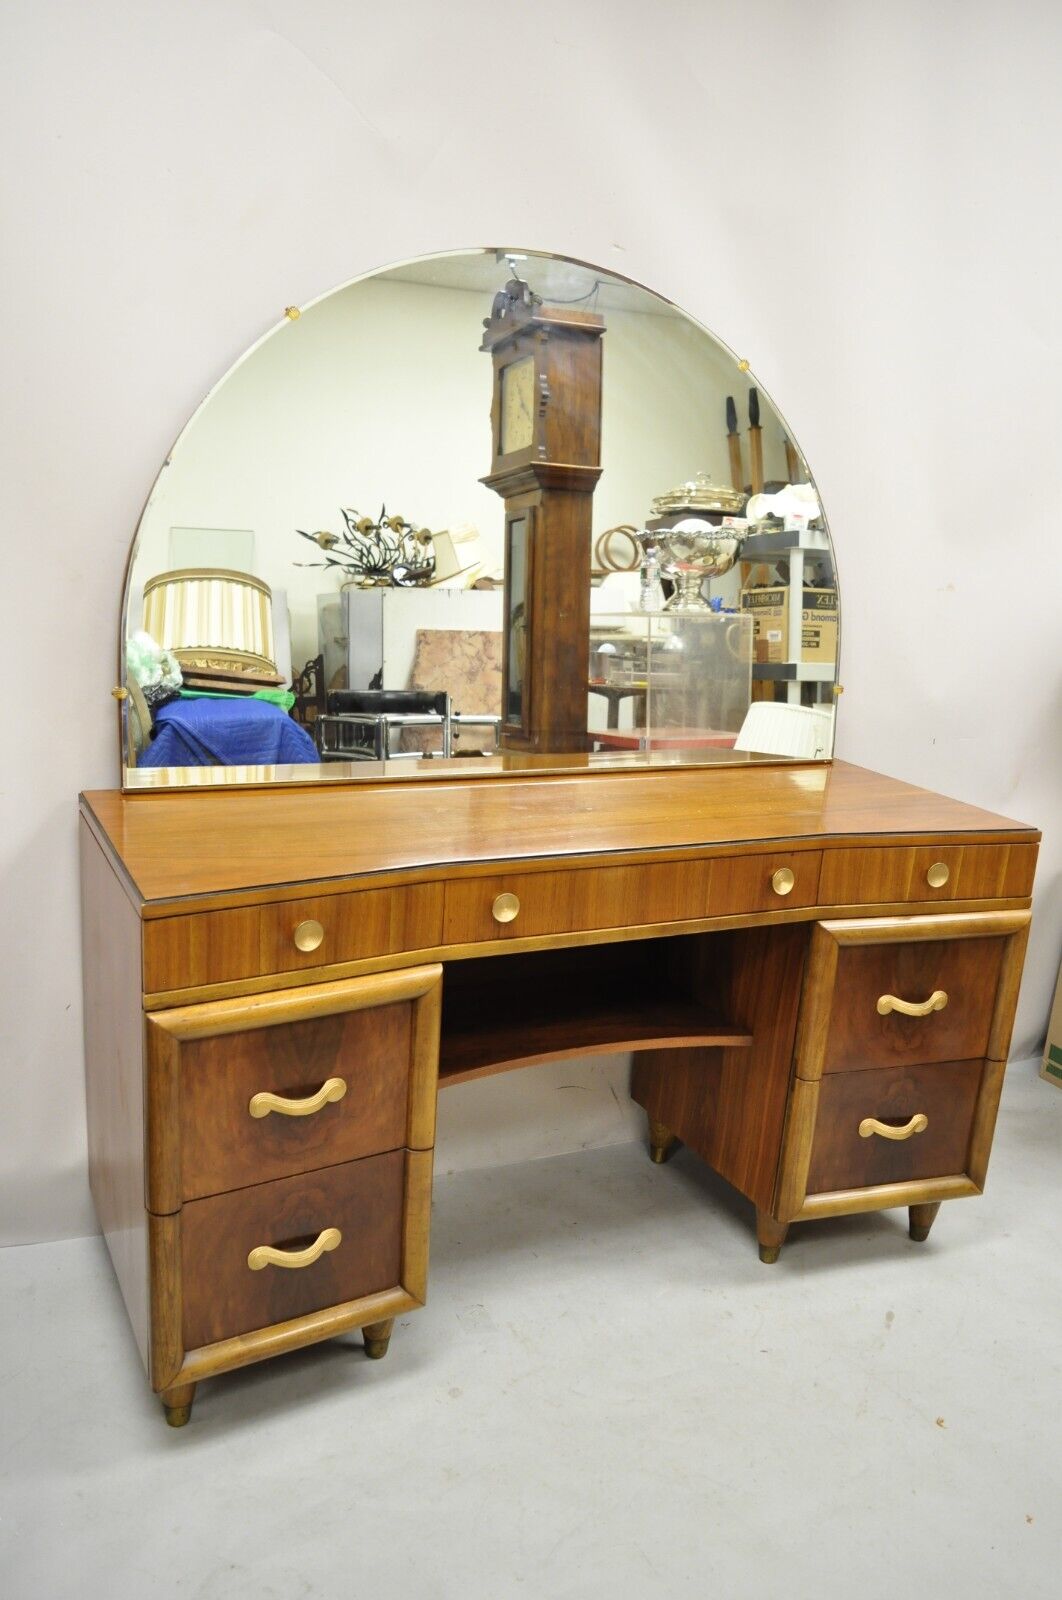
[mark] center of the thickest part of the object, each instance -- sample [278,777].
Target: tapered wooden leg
[377,1337]
[921,1220]
[771,1236]
[662,1142]
[178,1403]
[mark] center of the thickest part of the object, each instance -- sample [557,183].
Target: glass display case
[669,680]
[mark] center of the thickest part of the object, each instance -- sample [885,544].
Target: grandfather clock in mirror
[546,460]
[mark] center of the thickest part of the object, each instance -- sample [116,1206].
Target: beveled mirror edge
[193,777]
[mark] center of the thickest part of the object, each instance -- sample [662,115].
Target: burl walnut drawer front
[242,1091]
[900,1003]
[904,1123]
[279,1250]
[521,905]
[272,1102]
[898,873]
[289,936]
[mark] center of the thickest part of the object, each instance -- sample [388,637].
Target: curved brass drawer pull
[938,875]
[308,936]
[506,908]
[264,1255]
[913,1008]
[783,880]
[870,1125]
[262,1104]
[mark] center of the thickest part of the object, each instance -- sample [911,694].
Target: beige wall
[861,198]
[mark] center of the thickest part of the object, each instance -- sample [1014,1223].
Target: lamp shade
[213,620]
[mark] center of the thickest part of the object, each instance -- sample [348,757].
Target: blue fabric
[226,733]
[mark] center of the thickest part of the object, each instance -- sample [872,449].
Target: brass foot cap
[919,1235]
[177,1416]
[659,1153]
[769,1254]
[376,1349]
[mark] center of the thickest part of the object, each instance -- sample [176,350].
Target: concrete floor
[607,1395]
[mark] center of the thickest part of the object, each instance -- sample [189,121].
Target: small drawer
[522,905]
[772,882]
[246,1098]
[224,1294]
[931,1107]
[289,936]
[952,983]
[926,873]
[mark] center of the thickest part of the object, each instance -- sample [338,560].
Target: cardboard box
[1051,1067]
[769,608]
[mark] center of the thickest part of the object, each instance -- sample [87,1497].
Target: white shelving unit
[796,548]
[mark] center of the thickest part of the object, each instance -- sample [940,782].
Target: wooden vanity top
[203,843]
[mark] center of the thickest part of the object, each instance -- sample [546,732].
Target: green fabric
[278,697]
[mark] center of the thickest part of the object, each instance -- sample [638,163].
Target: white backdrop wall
[884,254]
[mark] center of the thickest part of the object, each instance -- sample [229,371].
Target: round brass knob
[783,880]
[938,875]
[505,908]
[308,935]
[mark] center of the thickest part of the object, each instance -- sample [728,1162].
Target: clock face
[517,406]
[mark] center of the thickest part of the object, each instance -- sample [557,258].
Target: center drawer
[528,904]
[223,1294]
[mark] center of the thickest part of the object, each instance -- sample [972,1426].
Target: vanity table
[816,969]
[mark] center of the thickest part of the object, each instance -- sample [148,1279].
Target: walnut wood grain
[975,872]
[205,843]
[114,1069]
[972,958]
[377,1035]
[525,1009]
[602,897]
[248,941]
[965,970]
[729,1105]
[946,1093]
[222,1297]
[224,1147]
[578,1029]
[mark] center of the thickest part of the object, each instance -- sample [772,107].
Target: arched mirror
[486,511]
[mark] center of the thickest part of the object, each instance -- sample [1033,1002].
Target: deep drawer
[222,1296]
[353,1067]
[901,873]
[868,1026]
[933,1106]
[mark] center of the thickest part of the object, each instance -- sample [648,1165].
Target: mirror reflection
[496,509]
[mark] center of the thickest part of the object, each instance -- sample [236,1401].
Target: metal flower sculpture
[385,552]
